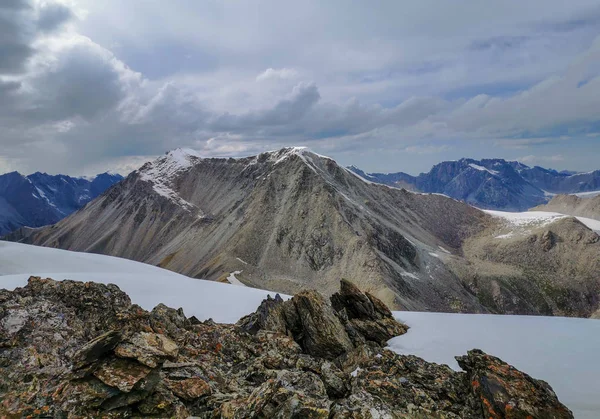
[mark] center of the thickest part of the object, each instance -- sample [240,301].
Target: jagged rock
[65,355]
[323,334]
[367,317]
[95,348]
[503,391]
[548,240]
[325,330]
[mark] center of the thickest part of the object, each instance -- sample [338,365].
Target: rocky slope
[41,199]
[491,183]
[573,205]
[292,219]
[83,350]
[546,267]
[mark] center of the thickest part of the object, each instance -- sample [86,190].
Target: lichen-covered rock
[148,348]
[63,354]
[505,392]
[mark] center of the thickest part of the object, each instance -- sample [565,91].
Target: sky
[88,86]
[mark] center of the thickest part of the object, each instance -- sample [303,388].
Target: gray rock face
[83,350]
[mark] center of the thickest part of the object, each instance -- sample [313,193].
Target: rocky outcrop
[83,350]
[324,330]
[498,388]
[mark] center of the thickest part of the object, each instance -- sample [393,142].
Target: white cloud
[277,74]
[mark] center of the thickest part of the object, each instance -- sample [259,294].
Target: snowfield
[532,219]
[147,285]
[562,351]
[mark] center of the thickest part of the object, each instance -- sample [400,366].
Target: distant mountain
[41,199]
[290,219]
[491,183]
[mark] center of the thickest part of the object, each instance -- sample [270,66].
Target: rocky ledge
[72,349]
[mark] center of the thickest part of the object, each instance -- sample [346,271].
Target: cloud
[277,74]
[541,159]
[402,78]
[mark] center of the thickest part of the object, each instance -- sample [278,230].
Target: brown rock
[189,389]
[121,373]
[366,317]
[505,392]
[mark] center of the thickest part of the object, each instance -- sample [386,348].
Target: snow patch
[483,169]
[233,280]
[244,262]
[534,219]
[410,275]
[590,194]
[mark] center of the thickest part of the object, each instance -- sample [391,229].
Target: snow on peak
[482,169]
[164,169]
[281,155]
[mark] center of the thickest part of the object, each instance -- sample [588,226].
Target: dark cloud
[16,36]
[83,81]
[52,16]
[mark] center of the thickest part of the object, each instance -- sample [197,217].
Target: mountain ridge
[491,183]
[291,219]
[41,199]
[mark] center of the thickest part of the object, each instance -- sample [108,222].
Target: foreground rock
[83,350]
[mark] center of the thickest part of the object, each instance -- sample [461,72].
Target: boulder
[505,392]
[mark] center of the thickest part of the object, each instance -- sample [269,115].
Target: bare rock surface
[72,349]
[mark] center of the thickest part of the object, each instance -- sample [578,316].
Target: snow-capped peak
[162,171]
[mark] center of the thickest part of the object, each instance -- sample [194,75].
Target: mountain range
[41,199]
[491,183]
[291,219]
